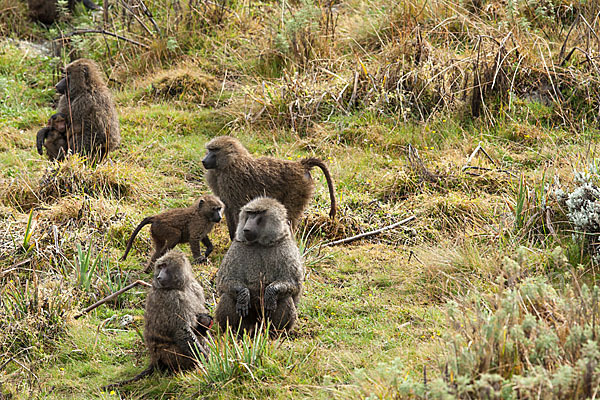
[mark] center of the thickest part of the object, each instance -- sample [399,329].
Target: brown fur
[237,178]
[182,225]
[47,11]
[262,273]
[175,317]
[54,138]
[93,123]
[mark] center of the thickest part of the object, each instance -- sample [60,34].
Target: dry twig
[370,233]
[112,296]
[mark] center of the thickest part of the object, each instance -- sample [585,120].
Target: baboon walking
[176,318]
[92,120]
[182,225]
[237,177]
[262,273]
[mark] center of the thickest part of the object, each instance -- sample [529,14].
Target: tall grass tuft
[232,358]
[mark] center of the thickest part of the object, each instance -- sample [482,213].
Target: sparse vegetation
[479,116]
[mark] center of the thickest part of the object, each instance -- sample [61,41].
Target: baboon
[182,225]
[54,138]
[47,11]
[262,272]
[175,318]
[237,177]
[92,120]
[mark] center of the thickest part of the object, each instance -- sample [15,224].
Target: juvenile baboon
[175,318]
[54,138]
[237,177]
[47,11]
[182,225]
[262,272]
[92,120]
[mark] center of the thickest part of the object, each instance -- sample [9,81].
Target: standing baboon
[237,177]
[92,120]
[262,272]
[182,225]
[175,317]
[47,11]
[54,138]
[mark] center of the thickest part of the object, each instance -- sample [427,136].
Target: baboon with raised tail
[237,177]
[182,225]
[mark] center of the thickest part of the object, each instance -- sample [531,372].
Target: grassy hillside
[479,117]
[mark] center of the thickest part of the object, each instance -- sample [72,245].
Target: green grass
[376,313]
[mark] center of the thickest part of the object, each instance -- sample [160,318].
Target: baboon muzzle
[210,161]
[62,86]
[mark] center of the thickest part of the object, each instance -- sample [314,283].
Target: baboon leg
[161,246]
[285,315]
[209,246]
[196,253]
[225,314]
[232,220]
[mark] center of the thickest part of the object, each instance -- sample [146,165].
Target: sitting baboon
[47,11]
[182,225]
[262,272]
[54,138]
[92,120]
[237,177]
[176,318]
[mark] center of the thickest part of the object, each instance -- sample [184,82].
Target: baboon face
[172,271]
[79,76]
[212,208]
[221,152]
[263,221]
[58,122]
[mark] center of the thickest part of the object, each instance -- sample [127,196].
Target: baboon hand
[270,300]
[243,302]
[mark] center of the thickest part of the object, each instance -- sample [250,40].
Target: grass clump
[234,358]
[74,176]
[182,85]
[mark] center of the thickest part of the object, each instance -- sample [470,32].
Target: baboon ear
[86,73]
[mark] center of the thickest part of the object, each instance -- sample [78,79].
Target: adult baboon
[182,225]
[54,138]
[47,11]
[262,272]
[175,318]
[92,120]
[237,177]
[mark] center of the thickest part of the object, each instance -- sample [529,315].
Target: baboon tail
[139,376]
[315,162]
[90,5]
[144,222]
[41,138]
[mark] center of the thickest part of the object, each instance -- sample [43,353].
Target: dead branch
[112,296]
[370,233]
[138,19]
[103,32]
[150,17]
[477,150]
[15,267]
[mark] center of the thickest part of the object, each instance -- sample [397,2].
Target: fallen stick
[371,233]
[103,32]
[112,296]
